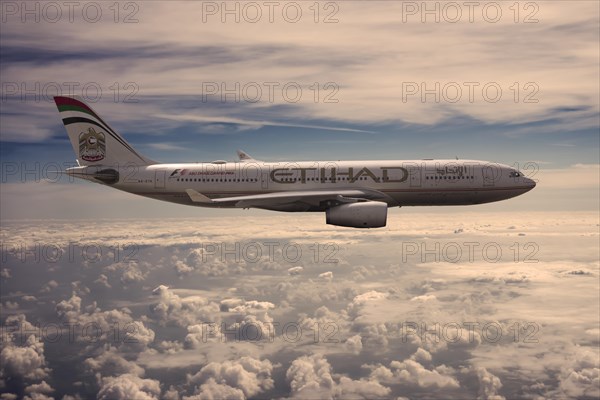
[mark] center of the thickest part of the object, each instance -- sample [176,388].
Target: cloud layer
[467,305]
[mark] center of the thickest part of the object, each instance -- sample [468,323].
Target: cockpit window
[514,174]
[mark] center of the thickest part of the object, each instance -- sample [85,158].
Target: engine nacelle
[366,214]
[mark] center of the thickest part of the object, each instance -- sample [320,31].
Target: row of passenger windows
[448,177]
[214,180]
[363,178]
[256,180]
[308,179]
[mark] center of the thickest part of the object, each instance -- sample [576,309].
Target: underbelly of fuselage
[402,198]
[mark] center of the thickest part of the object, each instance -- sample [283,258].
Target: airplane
[353,194]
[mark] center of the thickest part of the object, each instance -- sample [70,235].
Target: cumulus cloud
[580,377]
[210,261]
[247,376]
[129,386]
[26,361]
[489,384]
[182,311]
[200,334]
[110,362]
[357,335]
[211,390]
[128,271]
[22,352]
[39,388]
[311,377]
[411,372]
[354,344]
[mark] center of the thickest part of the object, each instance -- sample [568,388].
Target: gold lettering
[386,177]
[303,173]
[277,171]
[365,171]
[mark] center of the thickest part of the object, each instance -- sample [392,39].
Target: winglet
[197,197]
[245,157]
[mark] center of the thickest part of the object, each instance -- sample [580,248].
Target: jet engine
[365,214]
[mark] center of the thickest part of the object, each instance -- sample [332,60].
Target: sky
[195,81]
[175,295]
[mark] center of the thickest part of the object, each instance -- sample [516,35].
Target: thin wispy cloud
[249,124]
[531,64]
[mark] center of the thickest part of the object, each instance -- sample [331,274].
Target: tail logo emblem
[92,145]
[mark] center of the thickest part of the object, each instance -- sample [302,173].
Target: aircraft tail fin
[93,140]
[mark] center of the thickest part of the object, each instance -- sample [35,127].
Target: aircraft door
[159,179]
[490,174]
[264,179]
[414,173]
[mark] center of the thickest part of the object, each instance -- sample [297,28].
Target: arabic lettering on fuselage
[453,170]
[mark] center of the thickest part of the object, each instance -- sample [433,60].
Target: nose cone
[530,183]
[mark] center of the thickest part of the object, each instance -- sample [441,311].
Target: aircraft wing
[299,200]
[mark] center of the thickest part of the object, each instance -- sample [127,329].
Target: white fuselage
[405,183]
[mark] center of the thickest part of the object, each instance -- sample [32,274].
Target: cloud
[42,387]
[248,375]
[328,276]
[369,341]
[182,311]
[371,72]
[580,377]
[211,390]
[129,386]
[110,363]
[22,353]
[249,124]
[129,272]
[208,262]
[489,384]
[295,270]
[25,361]
[166,146]
[411,372]
[310,377]
[100,327]
[354,344]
